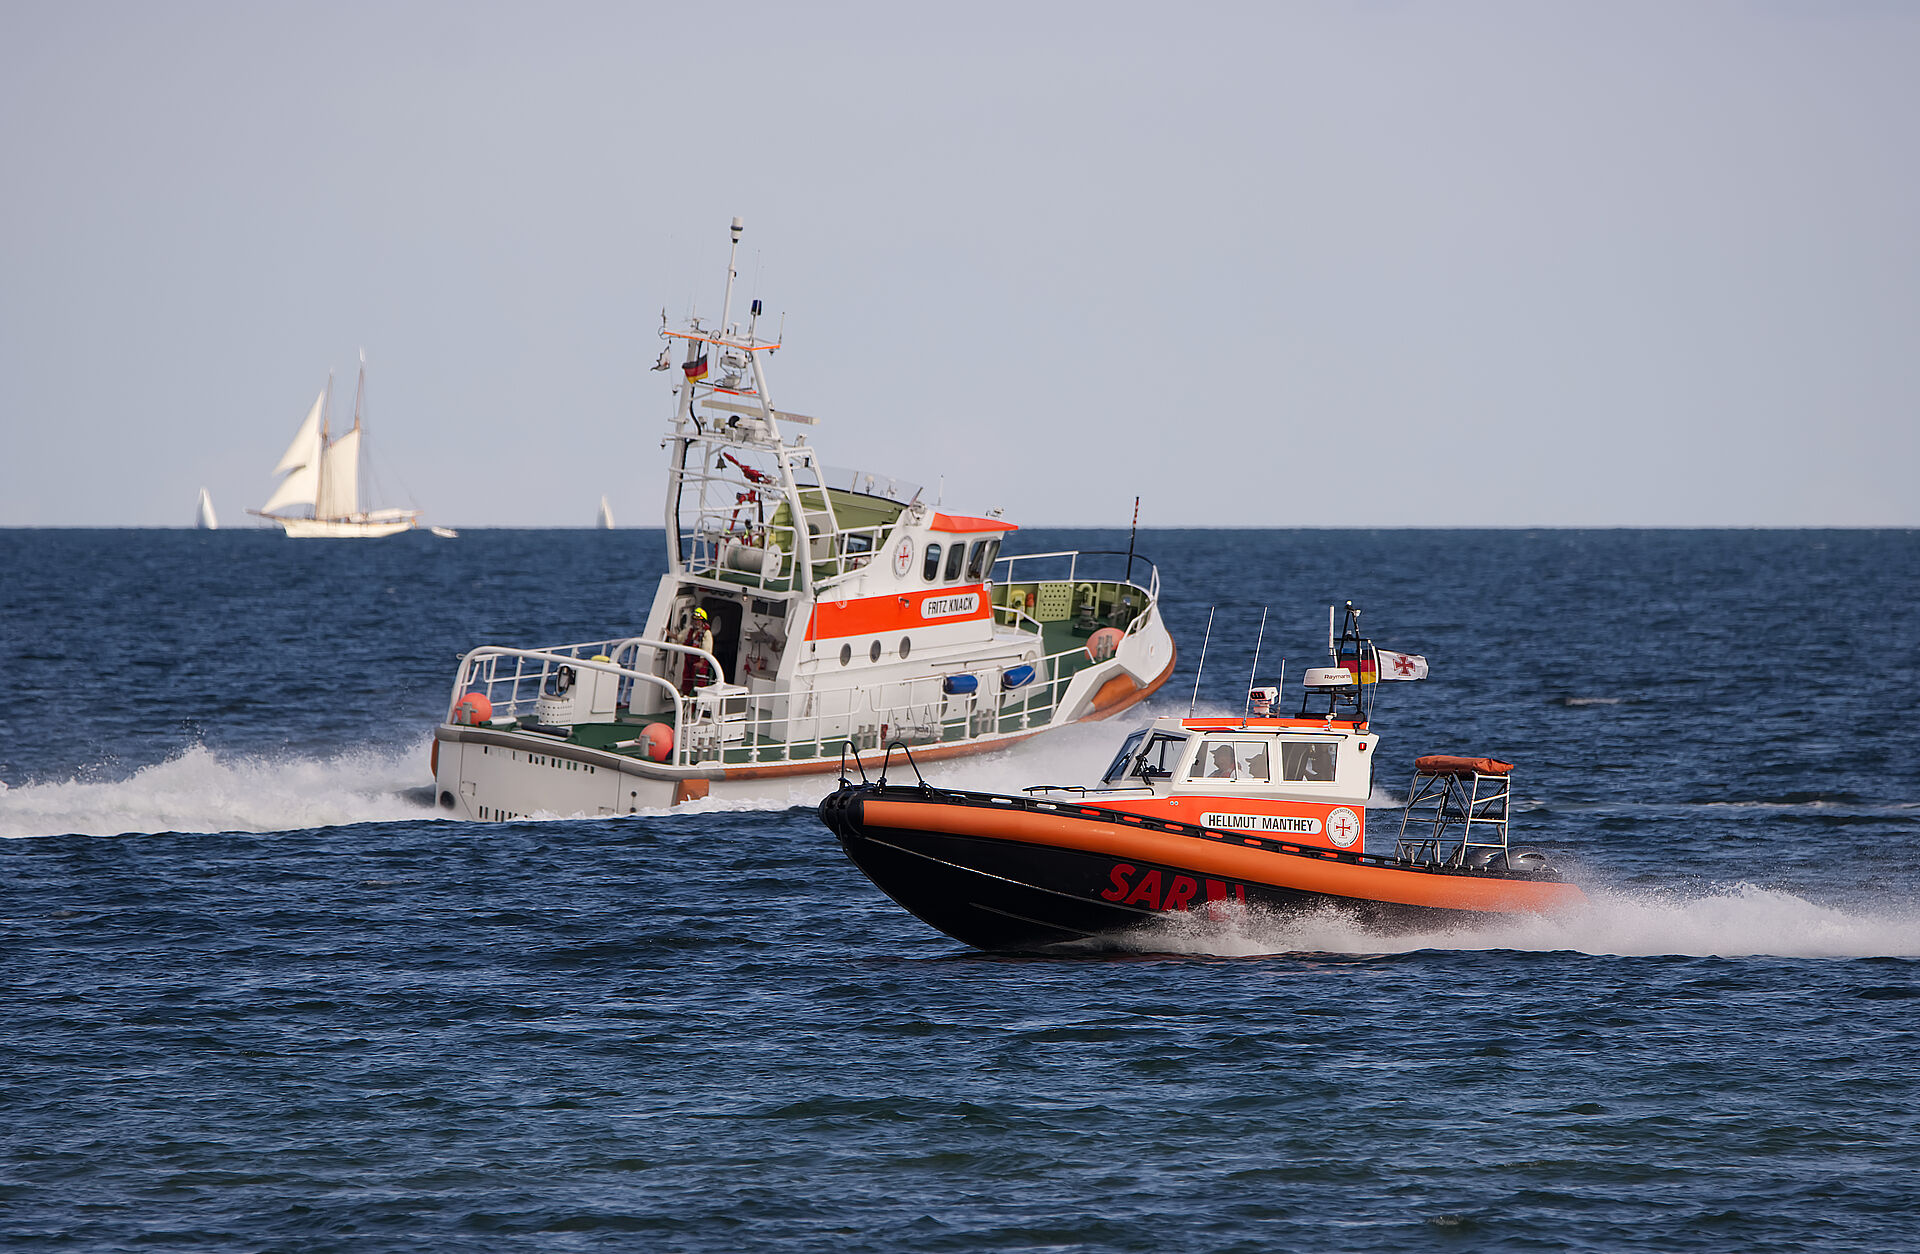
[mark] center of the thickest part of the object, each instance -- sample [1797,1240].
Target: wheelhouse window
[1306,761]
[1124,759]
[980,561]
[1146,757]
[931,570]
[956,555]
[1221,759]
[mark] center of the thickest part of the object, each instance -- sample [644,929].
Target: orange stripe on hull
[900,611]
[1301,872]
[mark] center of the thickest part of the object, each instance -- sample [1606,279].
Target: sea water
[254,996]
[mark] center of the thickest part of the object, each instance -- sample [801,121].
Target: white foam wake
[204,791]
[1737,921]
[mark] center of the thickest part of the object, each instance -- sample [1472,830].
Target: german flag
[1365,670]
[696,369]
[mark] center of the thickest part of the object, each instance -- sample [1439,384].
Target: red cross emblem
[1403,665]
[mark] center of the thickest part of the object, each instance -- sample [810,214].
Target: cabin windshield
[1121,760]
[1156,761]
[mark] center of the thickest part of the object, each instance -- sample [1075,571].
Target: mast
[359,395]
[733,254]
[326,423]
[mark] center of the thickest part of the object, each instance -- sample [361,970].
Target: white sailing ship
[323,477]
[804,608]
[604,519]
[203,514]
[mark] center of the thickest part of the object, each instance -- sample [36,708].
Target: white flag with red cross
[1401,665]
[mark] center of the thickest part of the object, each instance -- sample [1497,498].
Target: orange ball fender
[656,741]
[473,709]
[1104,643]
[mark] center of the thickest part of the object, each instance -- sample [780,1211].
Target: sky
[1265,265]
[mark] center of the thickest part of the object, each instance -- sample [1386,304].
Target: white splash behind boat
[323,476]
[804,607]
[203,517]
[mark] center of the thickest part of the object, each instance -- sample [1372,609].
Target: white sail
[205,519]
[605,521]
[298,488]
[305,449]
[340,486]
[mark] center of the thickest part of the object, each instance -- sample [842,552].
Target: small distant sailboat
[605,521]
[324,475]
[205,519]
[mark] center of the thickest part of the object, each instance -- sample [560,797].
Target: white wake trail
[202,790]
[1736,921]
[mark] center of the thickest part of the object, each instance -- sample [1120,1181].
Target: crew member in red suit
[699,636]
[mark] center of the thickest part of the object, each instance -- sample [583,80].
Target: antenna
[1255,673]
[1331,651]
[1130,535]
[726,306]
[1201,669]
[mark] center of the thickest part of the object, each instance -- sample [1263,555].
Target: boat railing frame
[855,713]
[1073,556]
[1461,811]
[480,672]
[725,724]
[715,530]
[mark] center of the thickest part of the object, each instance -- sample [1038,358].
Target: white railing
[480,671]
[725,723]
[1073,557]
[753,552]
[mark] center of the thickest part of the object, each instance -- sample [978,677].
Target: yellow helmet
[699,613]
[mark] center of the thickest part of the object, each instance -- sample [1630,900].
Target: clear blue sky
[1507,264]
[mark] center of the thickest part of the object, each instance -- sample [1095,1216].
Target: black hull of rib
[1009,895]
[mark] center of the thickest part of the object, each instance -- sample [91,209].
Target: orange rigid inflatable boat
[1263,811]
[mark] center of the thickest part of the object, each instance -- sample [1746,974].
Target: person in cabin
[699,636]
[1222,763]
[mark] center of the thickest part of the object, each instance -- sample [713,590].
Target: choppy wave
[202,790]
[1737,921]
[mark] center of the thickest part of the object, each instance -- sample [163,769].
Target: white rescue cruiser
[803,606]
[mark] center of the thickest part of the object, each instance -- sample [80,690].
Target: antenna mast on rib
[1255,673]
[1201,669]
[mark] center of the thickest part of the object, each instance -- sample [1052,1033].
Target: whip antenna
[1201,669]
[1130,537]
[1255,672]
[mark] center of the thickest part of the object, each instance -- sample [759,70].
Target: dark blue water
[251,998]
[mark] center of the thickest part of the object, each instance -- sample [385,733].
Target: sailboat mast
[326,423]
[359,396]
